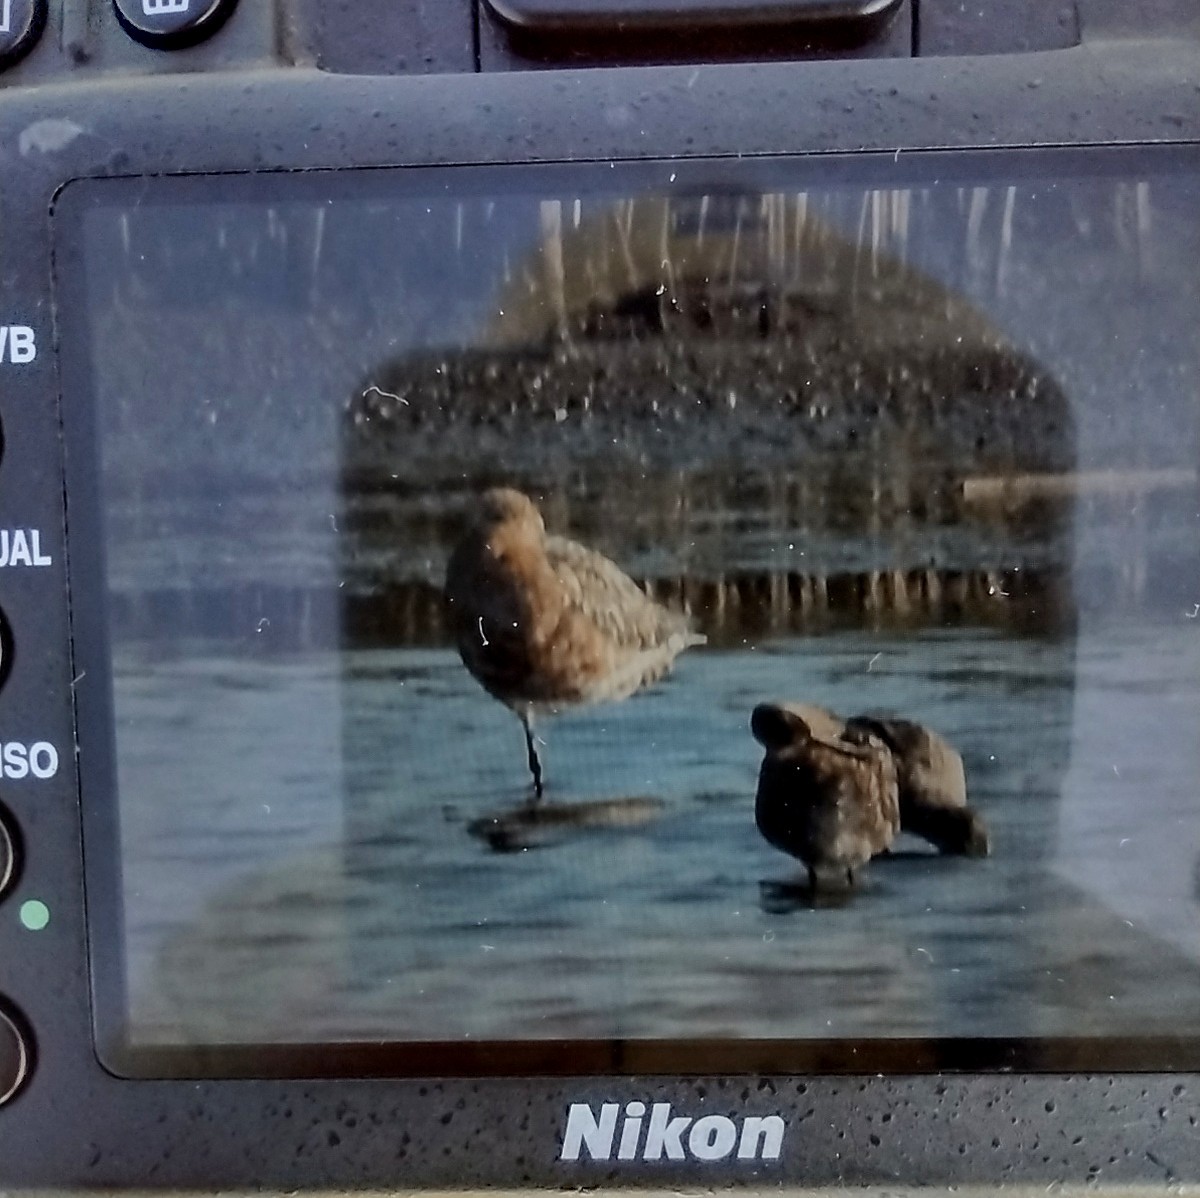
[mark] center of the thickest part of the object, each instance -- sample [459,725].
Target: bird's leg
[535,766]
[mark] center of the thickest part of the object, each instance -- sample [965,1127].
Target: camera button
[21,24]
[16,1050]
[10,853]
[172,24]
[6,641]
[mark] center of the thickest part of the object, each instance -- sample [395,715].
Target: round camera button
[6,641]
[10,854]
[172,24]
[21,24]
[16,1050]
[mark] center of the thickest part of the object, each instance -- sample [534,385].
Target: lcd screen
[379,774]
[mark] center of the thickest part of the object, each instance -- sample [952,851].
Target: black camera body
[261,105]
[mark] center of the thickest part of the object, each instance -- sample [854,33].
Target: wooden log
[1021,488]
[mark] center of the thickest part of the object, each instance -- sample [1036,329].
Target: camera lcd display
[449,530]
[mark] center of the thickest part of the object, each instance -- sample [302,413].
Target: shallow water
[299,865]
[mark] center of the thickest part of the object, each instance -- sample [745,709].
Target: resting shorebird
[827,794]
[933,786]
[544,623]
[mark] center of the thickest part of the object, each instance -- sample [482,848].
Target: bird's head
[969,833]
[778,725]
[505,506]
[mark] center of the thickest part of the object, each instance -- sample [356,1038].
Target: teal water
[299,863]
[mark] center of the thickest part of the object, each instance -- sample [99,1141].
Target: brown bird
[827,794]
[933,786]
[544,623]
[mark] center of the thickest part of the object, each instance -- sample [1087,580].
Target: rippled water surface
[319,880]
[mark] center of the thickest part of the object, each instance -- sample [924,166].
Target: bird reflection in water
[538,824]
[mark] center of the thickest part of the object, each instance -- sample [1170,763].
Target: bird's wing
[601,592]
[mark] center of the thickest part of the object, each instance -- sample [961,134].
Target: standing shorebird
[544,623]
[933,786]
[827,794]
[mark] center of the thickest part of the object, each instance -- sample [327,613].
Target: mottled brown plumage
[826,794]
[544,623]
[933,786]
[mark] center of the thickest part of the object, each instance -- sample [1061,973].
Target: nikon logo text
[667,1137]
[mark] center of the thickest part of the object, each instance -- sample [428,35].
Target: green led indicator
[34,914]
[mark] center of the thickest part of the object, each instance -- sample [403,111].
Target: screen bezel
[86,574]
